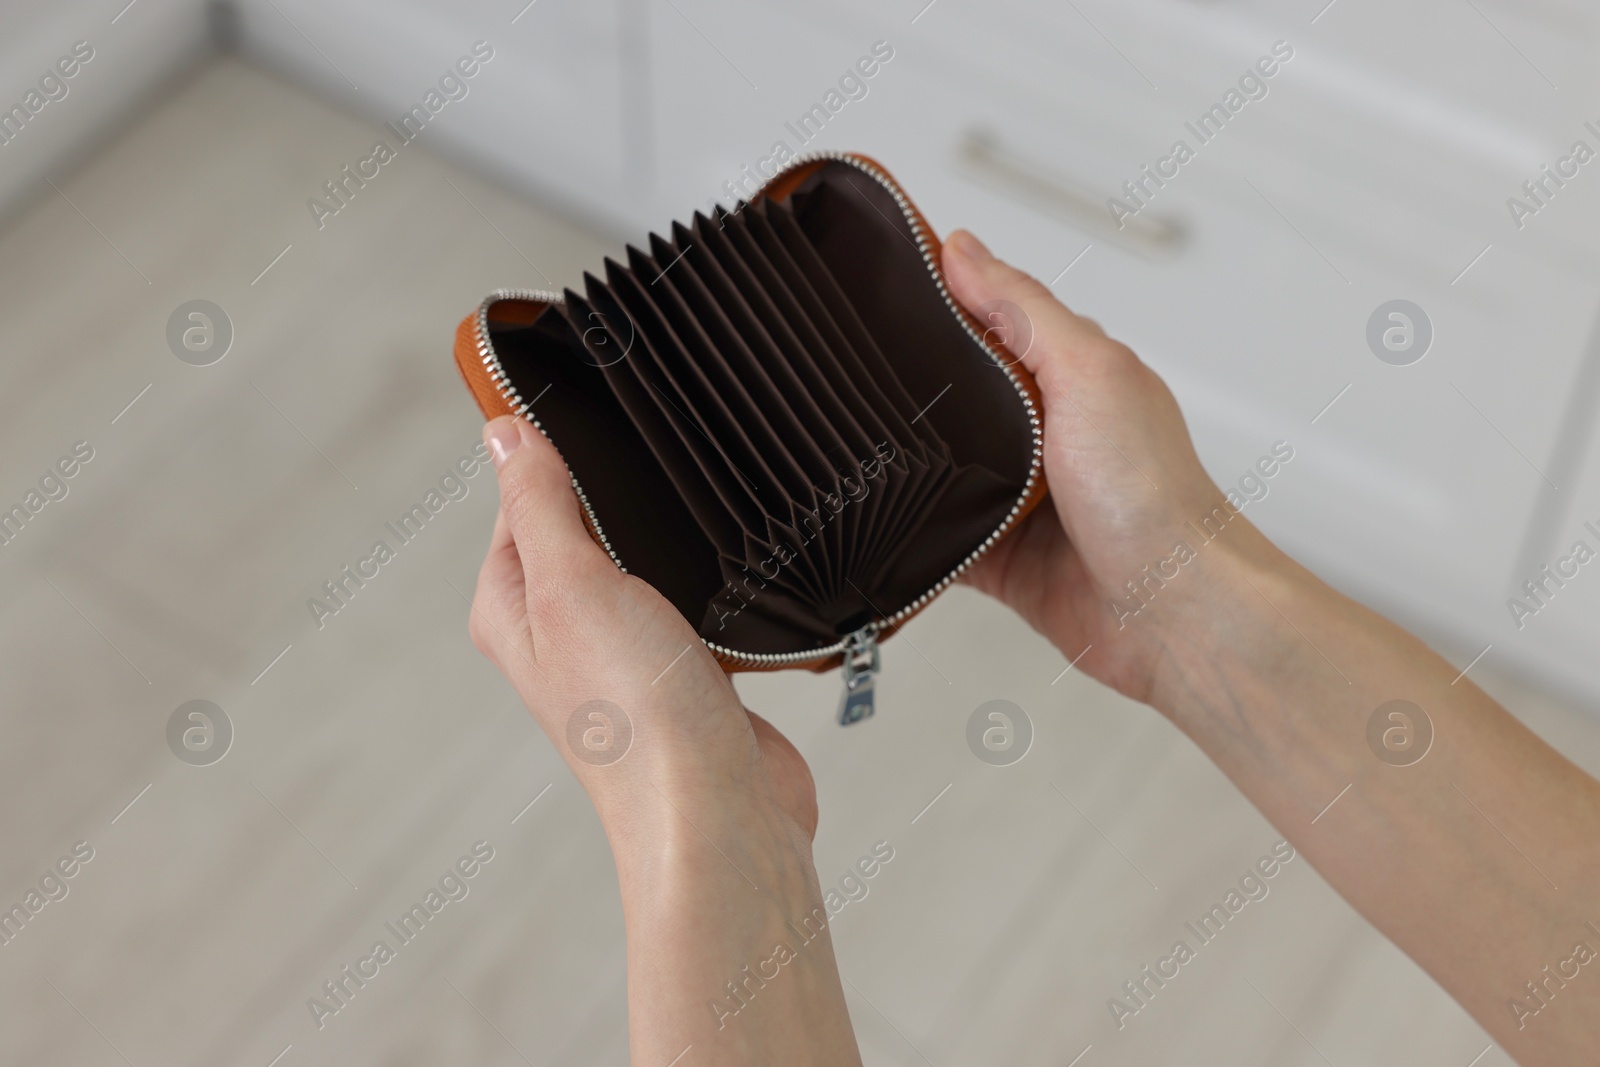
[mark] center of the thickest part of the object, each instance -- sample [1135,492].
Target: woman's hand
[567,628]
[1125,485]
[709,810]
[1277,678]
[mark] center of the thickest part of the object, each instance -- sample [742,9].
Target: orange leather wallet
[777,416]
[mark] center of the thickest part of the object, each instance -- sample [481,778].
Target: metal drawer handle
[1041,188]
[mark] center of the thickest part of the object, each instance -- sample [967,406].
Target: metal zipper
[861,664]
[866,637]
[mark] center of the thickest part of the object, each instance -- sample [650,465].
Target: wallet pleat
[751,361]
[680,376]
[676,383]
[741,353]
[869,363]
[821,335]
[711,347]
[881,480]
[796,372]
[692,468]
[818,368]
[863,361]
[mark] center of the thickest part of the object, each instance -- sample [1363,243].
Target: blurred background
[1440,461]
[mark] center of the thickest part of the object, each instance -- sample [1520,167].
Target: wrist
[712,848]
[685,754]
[1234,613]
[668,803]
[729,945]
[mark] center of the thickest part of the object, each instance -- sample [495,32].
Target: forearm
[1478,860]
[728,943]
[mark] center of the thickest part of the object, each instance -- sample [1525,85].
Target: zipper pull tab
[861,663]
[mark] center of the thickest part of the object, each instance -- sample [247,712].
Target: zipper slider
[861,663]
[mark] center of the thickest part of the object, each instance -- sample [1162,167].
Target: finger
[980,282]
[547,528]
[499,621]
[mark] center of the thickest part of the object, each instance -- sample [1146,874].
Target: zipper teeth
[502,381]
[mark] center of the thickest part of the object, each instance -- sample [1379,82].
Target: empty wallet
[778,416]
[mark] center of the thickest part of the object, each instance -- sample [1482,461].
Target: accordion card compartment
[777,415]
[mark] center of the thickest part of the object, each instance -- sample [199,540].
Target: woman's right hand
[1126,487]
[1277,678]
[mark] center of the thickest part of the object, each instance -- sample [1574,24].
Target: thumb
[541,509]
[1015,309]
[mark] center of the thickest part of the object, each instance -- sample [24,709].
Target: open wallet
[778,416]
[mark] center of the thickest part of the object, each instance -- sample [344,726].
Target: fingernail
[502,437]
[969,246]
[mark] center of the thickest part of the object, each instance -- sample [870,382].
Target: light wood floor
[370,755]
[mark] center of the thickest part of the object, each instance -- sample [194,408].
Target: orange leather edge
[493,404]
[490,400]
[475,374]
